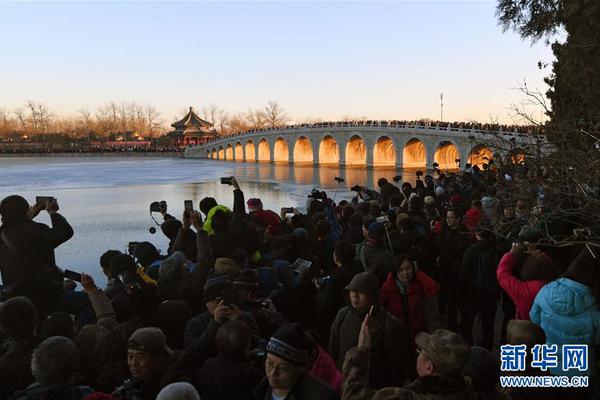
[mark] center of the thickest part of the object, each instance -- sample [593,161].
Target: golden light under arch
[208,154]
[281,152]
[480,155]
[414,154]
[264,152]
[446,155]
[239,152]
[221,153]
[329,152]
[229,152]
[356,151]
[303,152]
[250,151]
[384,152]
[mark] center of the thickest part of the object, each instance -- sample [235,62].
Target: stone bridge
[371,145]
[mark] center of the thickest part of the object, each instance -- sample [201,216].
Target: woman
[567,309]
[403,294]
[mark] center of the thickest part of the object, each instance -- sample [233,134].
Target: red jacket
[391,299]
[269,220]
[325,369]
[521,292]
[472,218]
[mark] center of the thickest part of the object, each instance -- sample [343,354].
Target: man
[230,375]
[442,356]
[152,365]
[387,357]
[451,243]
[387,190]
[149,258]
[18,323]
[285,367]
[373,253]
[27,261]
[54,365]
[264,219]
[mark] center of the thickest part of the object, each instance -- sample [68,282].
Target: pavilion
[192,129]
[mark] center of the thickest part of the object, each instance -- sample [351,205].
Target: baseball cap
[448,352]
[150,339]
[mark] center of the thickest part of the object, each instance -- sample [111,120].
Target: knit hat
[254,205]
[226,266]
[439,191]
[149,339]
[429,200]
[290,343]
[376,230]
[448,351]
[214,285]
[179,391]
[247,279]
[173,267]
[366,283]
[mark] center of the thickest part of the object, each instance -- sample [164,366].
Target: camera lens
[152,230]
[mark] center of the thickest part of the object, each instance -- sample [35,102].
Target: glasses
[283,368]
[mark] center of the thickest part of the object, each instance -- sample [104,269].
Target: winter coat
[522,293]
[27,261]
[224,379]
[489,206]
[398,304]
[388,355]
[356,383]
[267,219]
[375,258]
[472,218]
[325,369]
[305,388]
[568,313]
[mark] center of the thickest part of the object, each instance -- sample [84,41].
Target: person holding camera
[27,260]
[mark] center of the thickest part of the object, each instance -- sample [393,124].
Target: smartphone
[43,200]
[226,180]
[383,218]
[188,205]
[301,266]
[72,275]
[338,179]
[288,210]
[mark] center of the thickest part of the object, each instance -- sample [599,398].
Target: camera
[72,275]
[227,180]
[41,201]
[157,206]
[435,165]
[397,178]
[338,179]
[287,210]
[318,194]
[356,188]
[419,173]
[383,219]
[131,247]
[321,282]
[128,281]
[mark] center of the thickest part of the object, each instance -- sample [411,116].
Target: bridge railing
[465,128]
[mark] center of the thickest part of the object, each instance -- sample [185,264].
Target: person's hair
[323,228]
[347,211]
[106,257]
[344,251]
[585,269]
[18,318]
[55,360]
[14,210]
[355,221]
[381,182]
[206,204]
[404,222]
[58,323]
[121,263]
[452,209]
[400,258]
[232,339]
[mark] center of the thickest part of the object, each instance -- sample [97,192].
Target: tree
[274,115]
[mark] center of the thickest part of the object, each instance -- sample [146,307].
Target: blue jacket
[568,313]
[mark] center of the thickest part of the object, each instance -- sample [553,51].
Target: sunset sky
[384,60]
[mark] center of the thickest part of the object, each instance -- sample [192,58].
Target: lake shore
[107,154]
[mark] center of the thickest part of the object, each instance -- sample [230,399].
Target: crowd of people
[85,149]
[425,124]
[334,302]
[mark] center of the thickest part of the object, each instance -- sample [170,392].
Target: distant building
[192,130]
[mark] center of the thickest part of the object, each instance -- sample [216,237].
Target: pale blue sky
[381,60]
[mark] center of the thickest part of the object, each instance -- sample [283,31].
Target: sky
[381,60]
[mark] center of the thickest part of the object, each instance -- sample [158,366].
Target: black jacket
[307,387]
[224,379]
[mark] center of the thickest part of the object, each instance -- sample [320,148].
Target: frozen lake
[106,199]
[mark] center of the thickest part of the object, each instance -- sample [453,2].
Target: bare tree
[153,120]
[22,118]
[255,119]
[275,115]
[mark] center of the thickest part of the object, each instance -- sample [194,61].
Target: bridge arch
[213,153]
[414,154]
[229,152]
[264,151]
[329,151]
[479,155]
[281,151]
[238,154]
[356,151]
[221,153]
[208,153]
[384,152]
[303,151]
[446,154]
[250,151]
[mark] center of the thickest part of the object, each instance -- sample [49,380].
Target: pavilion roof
[191,120]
